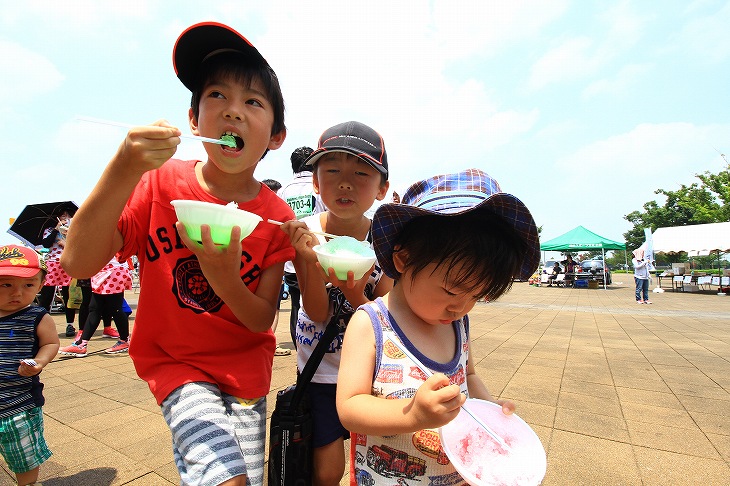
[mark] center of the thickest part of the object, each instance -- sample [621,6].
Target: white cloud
[601,182]
[390,69]
[651,156]
[624,26]
[620,84]
[708,37]
[617,29]
[26,74]
[89,14]
[571,60]
[481,28]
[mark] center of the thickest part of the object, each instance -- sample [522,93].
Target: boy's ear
[277,140]
[42,280]
[399,259]
[193,122]
[383,191]
[315,181]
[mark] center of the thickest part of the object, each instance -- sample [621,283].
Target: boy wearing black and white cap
[202,337]
[350,172]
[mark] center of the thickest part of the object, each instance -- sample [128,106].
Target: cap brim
[22,272]
[390,218]
[317,154]
[201,40]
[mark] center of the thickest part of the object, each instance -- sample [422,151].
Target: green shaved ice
[347,244]
[230,140]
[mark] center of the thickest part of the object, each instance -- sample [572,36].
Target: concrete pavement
[619,393]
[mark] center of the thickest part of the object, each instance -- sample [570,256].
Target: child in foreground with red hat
[456,239]
[28,344]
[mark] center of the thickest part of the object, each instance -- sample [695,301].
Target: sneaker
[75,350]
[70,330]
[110,332]
[120,347]
[279,351]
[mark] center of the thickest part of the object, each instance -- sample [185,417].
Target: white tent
[696,240]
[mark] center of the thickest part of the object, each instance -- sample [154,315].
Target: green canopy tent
[582,239]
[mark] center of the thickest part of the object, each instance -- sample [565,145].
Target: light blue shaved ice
[344,245]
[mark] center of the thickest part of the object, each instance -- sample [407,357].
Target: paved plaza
[619,393]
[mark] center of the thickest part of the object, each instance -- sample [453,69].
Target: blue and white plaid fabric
[452,194]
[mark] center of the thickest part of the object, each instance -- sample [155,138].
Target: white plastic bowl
[220,218]
[486,463]
[355,256]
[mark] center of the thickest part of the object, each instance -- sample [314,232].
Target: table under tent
[582,239]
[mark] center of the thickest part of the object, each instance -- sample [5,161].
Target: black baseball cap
[201,41]
[353,138]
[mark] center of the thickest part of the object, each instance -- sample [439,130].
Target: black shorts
[326,422]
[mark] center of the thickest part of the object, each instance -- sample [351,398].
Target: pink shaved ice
[482,461]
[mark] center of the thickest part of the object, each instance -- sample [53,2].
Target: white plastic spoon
[321,233]
[228,142]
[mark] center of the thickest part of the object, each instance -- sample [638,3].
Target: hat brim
[22,272]
[317,154]
[201,40]
[389,220]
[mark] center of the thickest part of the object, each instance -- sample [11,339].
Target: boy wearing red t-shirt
[202,337]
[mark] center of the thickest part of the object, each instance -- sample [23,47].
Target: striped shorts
[21,441]
[215,436]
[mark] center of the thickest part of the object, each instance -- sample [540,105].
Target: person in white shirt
[641,276]
[300,196]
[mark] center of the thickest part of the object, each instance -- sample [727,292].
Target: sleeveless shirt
[397,376]
[18,340]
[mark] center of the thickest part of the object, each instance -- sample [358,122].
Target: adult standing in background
[570,268]
[108,287]
[641,276]
[569,264]
[300,195]
[55,240]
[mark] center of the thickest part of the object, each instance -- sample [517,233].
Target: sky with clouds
[580,109]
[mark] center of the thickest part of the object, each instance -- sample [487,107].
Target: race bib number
[301,205]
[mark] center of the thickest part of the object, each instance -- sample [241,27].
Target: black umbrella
[35,218]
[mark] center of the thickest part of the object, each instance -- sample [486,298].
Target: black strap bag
[290,431]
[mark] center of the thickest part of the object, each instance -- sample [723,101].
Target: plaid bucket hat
[451,195]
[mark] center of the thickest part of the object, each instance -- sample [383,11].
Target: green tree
[617,259]
[719,185]
[706,201]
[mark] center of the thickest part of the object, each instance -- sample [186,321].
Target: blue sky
[580,109]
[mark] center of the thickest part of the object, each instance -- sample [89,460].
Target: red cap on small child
[20,261]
